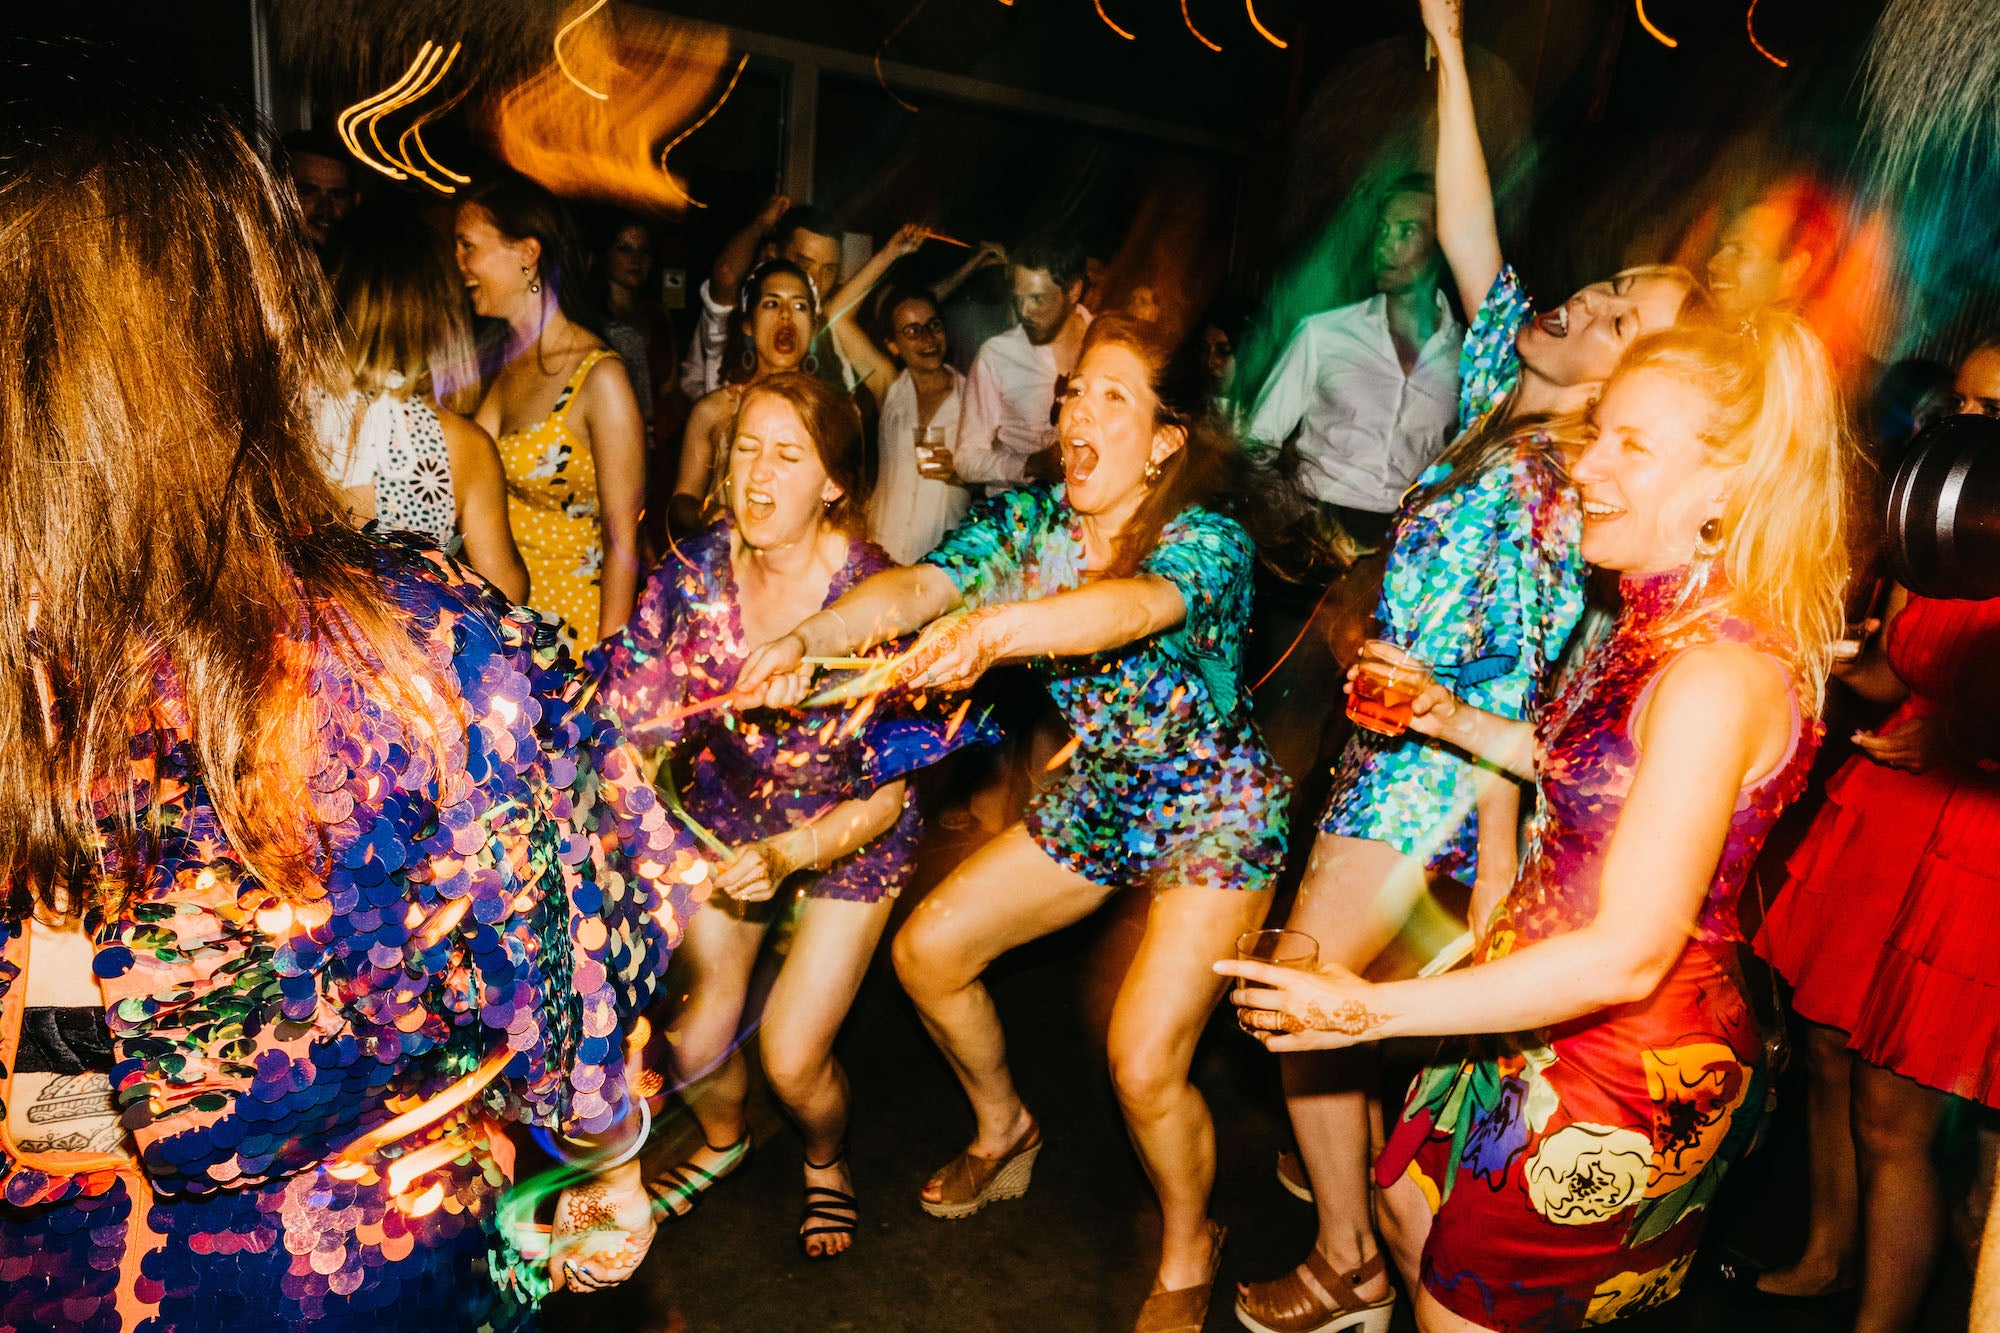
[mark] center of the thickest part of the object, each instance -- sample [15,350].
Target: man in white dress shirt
[1368,396]
[1005,431]
[1370,390]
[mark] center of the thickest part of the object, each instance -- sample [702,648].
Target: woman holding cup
[1483,588]
[1559,1175]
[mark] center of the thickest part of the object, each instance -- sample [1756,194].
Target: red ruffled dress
[1888,926]
[1569,1170]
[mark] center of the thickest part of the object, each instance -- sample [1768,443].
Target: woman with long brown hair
[1134,597]
[298,825]
[560,409]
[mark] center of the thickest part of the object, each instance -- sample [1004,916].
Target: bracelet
[813,829]
[639,1139]
[851,643]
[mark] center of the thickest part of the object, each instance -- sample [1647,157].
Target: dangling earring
[1152,472]
[1700,579]
[749,359]
[1708,542]
[811,364]
[534,282]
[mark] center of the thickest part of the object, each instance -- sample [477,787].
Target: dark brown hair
[521,209]
[162,512]
[834,424]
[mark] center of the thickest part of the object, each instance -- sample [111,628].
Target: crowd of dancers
[338,878]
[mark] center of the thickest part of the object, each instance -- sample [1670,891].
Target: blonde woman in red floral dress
[1558,1174]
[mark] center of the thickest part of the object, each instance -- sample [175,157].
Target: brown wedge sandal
[968,1182]
[1290,1305]
[1185,1309]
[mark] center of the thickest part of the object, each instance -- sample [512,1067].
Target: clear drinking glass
[1388,680]
[931,451]
[1279,948]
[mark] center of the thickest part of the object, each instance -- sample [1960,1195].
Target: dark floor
[1076,1253]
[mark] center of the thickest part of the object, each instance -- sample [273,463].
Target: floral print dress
[495,910]
[1484,582]
[1169,783]
[1570,1169]
[553,512]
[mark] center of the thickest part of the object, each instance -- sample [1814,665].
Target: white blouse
[909,512]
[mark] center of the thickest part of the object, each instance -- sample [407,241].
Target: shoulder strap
[577,377]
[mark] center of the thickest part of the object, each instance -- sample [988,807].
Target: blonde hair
[1777,418]
[402,310]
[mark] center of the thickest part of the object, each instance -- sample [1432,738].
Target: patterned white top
[398,447]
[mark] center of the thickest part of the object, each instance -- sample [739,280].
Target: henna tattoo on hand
[1350,1018]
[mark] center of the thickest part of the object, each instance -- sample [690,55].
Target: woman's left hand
[603,1227]
[1918,745]
[955,652]
[1291,1010]
[756,871]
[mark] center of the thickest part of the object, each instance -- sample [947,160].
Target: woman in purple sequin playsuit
[1559,1173]
[319,865]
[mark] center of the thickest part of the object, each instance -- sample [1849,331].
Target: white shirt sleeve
[1281,406]
[701,368]
[977,456]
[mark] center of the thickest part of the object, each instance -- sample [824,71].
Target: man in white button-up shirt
[1005,421]
[1371,392]
[1371,388]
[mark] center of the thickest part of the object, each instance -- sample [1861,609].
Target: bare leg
[715,958]
[1007,893]
[1162,1007]
[815,989]
[1833,1220]
[1356,896]
[1902,1208]
[1406,1226]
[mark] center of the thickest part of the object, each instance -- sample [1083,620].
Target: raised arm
[1468,232]
[870,363]
[739,253]
[1719,717]
[479,488]
[988,254]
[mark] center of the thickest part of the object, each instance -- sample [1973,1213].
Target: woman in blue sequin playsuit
[1133,597]
[1484,582]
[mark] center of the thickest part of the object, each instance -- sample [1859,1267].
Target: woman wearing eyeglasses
[918,498]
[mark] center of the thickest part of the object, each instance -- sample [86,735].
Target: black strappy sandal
[827,1212]
[678,1188]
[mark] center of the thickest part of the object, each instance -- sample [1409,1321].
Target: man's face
[325,190]
[1978,387]
[1750,270]
[819,256]
[1042,306]
[1406,249]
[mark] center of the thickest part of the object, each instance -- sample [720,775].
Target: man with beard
[320,177]
[1006,435]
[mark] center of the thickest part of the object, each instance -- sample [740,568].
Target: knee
[925,958]
[1148,1079]
[793,1068]
[1895,1127]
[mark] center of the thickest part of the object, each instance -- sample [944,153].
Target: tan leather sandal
[1290,1305]
[968,1182]
[1185,1309]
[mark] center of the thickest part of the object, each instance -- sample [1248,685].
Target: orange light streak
[563,65]
[930,235]
[1061,757]
[1250,7]
[893,34]
[431,1109]
[1107,21]
[427,1202]
[441,925]
[432,75]
[1647,24]
[1189,20]
[1750,27]
[422,77]
[343,124]
[706,116]
[957,719]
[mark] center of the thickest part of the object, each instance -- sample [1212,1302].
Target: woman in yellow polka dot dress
[561,410]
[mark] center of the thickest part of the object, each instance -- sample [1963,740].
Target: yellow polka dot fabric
[552,509]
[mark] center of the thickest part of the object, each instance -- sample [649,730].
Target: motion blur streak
[1189,20]
[1108,22]
[563,32]
[1250,7]
[1639,7]
[658,78]
[1750,26]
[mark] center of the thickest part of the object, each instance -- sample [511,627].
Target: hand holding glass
[1280,948]
[1384,682]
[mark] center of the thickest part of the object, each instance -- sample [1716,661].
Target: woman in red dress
[1558,1174]
[1889,931]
